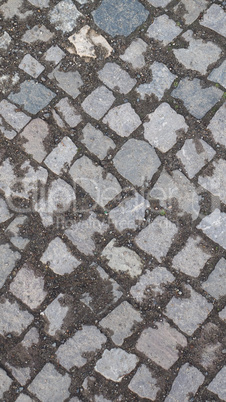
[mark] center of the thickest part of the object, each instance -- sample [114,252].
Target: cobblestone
[5,382]
[8,261]
[217,386]
[215,284]
[96,141]
[144,384]
[34,135]
[216,183]
[115,78]
[215,19]
[122,119]
[163,29]
[98,102]
[217,126]
[31,66]
[15,320]
[218,75]
[213,226]
[134,54]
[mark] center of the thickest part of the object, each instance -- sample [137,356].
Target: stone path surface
[112,200]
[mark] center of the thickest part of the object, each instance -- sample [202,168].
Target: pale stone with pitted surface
[217,126]
[6,381]
[214,226]
[60,159]
[218,384]
[115,78]
[163,29]
[122,119]
[96,141]
[31,66]
[98,102]
[216,183]
[7,262]
[215,285]
[215,19]
[15,319]
[144,384]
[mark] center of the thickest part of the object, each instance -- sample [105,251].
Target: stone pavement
[112,200]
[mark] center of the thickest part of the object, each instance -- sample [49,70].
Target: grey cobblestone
[217,386]
[122,119]
[216,282]
[143,384]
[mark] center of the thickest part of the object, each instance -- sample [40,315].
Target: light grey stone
[129,213]
[222,314]
[161,344]
[40,3]
[82,233]
[5,382]
[210,354]
[159,3]
[162,128]
[122,259]
[190,9]
[23,398]
[192,258]
[163,29]
[90,177]
[115,78]
[120,322]
[218,384]
[188,313]
[64,15]
[134,53]
[96,141]
[214,226]
[217,126]
[157,237]
[115,364]
[54,54]
[68,112]
[199,54]
[5,40]
[151,281]
[58,119]
[186,384]
[8,133]
[98,102]
[69,81]
[14,320]
[122,119]
[8,81]
[137,161]
[219,74]
[195,154]
[162,79]
[37,34]
[12,8]
[49,385]
[54,315]
[215,285]
[7,262]
[31,338]
[61,261]
[13,232]
[197,100]
[215,19]
[35,134]
[78,350]
[28,287]
[144,384]
[216,183]
[5,215]
[60,159]
[13,116]
[31,66]
[21,374]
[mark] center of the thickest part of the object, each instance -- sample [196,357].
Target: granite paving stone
[215,285]
[8,261]
[64,15]
[217,126]
[190,10]
[159,3]
[68,112]
[5,214]
[215,183]
[40,3]
[134,53]
[12,8]
[219,75]
[96,141]
[213,226]
[33,137]
[54,315]
[69,81]
[39,33]
[60,159]
[144,384]
[23,398]
[16,118]
[163,29]
[122,119]
[13,232]
[6,381]
[5,40]
[54,54]
[115,78]
[15,320]
[215,19]
[217,386]
[98,102]
[31,66]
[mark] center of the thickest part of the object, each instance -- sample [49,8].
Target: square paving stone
[157,237]
[197,100]
[28,287]
[5,382]
[190,312]
[54,54]
[216,183]
[115,364]
[55,314]
[134,53]
[64,16]
[192,258]
[215,285]
[39,33]
[61,261]
[219,75]
[96,141]
[49,385]
[68,112]
[13,116]
[32,96]
[15,319]
[195,154]
[122,119]
[121,322]
[115,78]
[218,384]
[98,102]
[144,384]
[161,344]
[214,226]
[163,126]
[163,29]
[186,384]
[69,81]
[60,159]
[80,349]
[31,66]
[217,126]
[34,135]
[130,14]
[215,19]
[137,161]
[7,262]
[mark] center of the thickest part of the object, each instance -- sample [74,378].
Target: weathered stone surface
[5,382]
[115,78]
[58,385]
[85,342]
[54,315]
[130,14]
[144,384]
[13,116]
[136,161]
[190,10]
[40,3]
[64,16]
[96,141]
[5,40]
[222,314]
[8,133]
[163,29]
[122,259]
[195,154]
[90,177]
[157,237]
[14,320]
[37,34]
[219,74]
[162,128]
[31,66]
[122,119]
[161,344]
[13,232]
[69,113]
[134,53]
[217,126]
[34,135]
[120,322]
[12,8]
[218,385]
[60,260]
[115,364]
[215,285]
[7,262]
[54,54]
[151,281]
[159,3]
[215,19]
[216,183]
[192,258]
[28,287]
[98,102]
[186,384]
[5,215]
[69,81]
[188,313]
[197,100]
[60,159]
[214,226]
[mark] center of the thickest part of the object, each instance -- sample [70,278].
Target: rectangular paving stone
[68,112]
[54,315]
[13,116]
[219,75]
[98,102]
[215,19]
[31,66]
[34,135]
[144,384]
[215,285]
[122,119]
[54,54]
[7,262]
[60,158]
[115,78]
[214,226]
[96,141]
[15,320]
[163,29]
[69,81]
